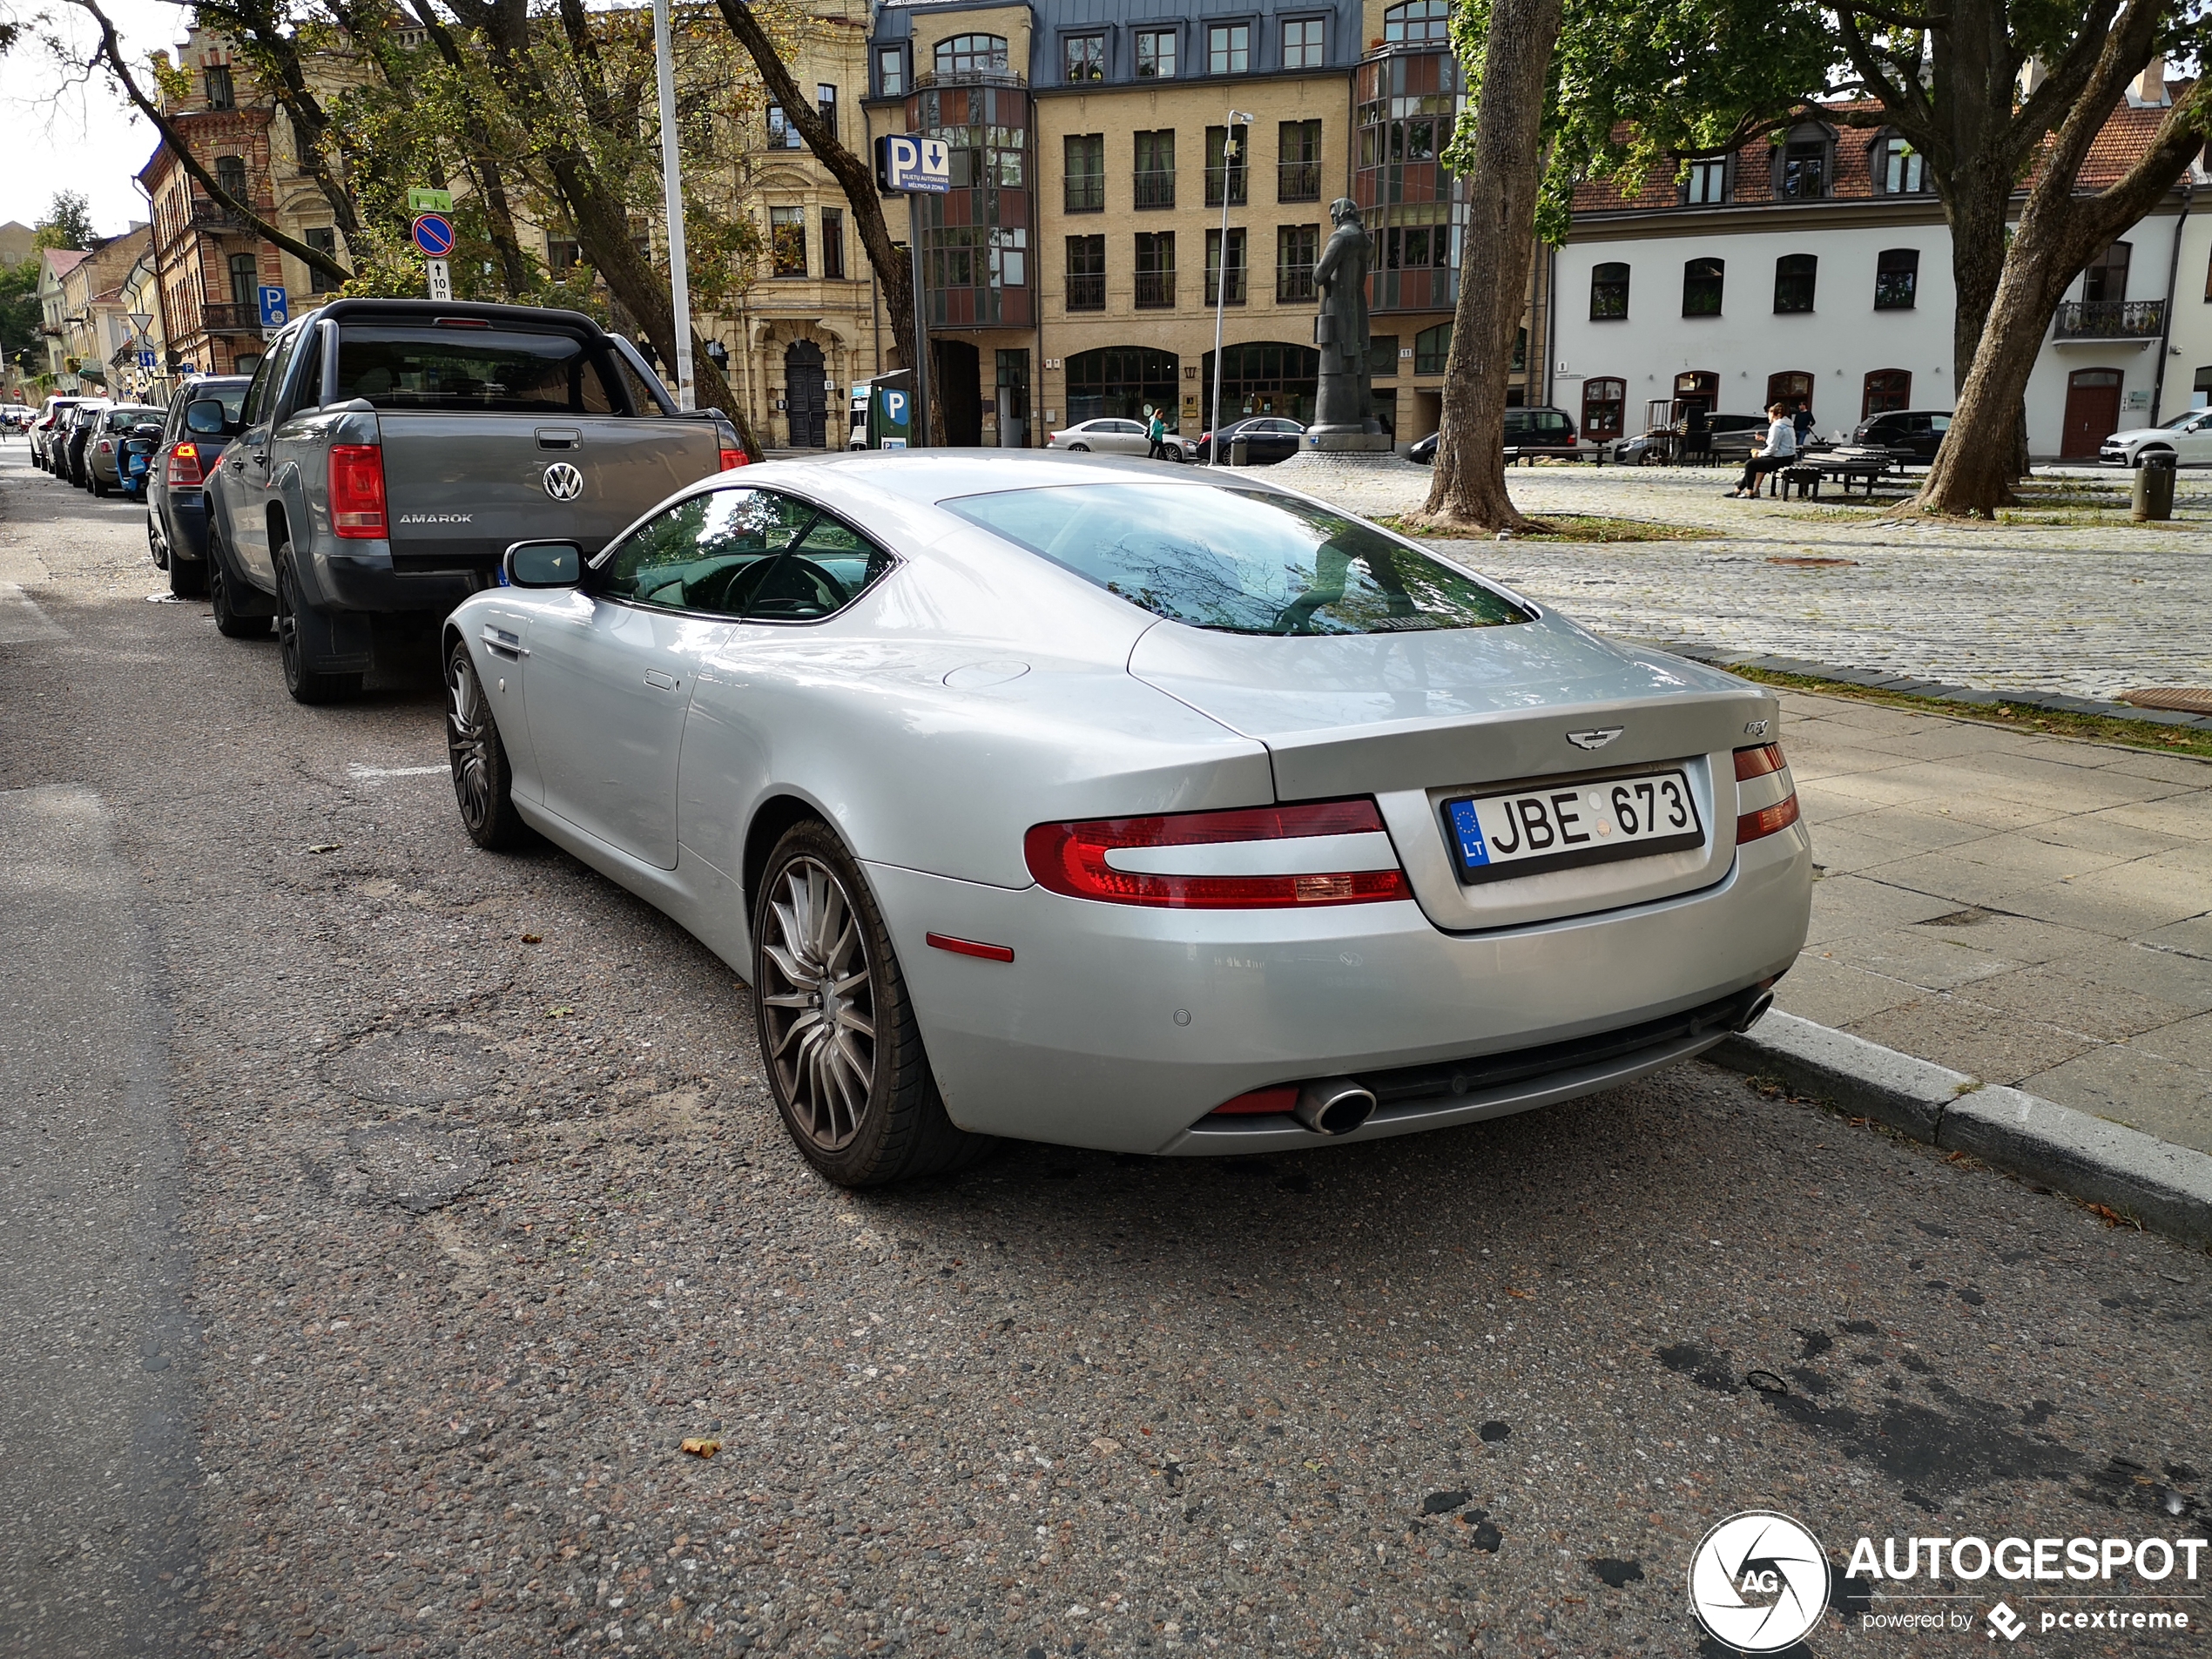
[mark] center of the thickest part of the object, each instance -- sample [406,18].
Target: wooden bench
[1805,480]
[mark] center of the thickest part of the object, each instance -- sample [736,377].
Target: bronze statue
[1346,393]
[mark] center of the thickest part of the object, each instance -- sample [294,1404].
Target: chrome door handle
[659,681]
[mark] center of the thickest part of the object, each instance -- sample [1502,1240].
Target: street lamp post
[671,184]
[1229,152]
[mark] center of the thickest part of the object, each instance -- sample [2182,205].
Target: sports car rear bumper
[1122,1028]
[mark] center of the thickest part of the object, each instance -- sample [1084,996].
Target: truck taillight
[357,491]
[733,458]
[1224,860]
[184,464]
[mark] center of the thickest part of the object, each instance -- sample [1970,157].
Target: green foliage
[173,79]
[67,222]
[20,314]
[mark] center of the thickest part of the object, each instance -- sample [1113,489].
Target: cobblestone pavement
[2089,610]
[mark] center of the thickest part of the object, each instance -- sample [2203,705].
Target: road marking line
[356,770]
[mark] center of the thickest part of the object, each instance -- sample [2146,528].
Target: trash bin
[1240,452]
[2154,496]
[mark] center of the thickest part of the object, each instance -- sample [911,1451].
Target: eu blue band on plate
[1468,828]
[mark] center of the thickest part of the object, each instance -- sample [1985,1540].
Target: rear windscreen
[477,368]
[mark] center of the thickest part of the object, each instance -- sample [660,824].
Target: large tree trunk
[1469,489]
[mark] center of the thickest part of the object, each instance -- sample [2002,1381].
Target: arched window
[1898,169]
[1700,387]
[1794,275]
[1701,288]
[1804,163]
[1886,389]
[1431,347]
[1609,291]
[967,54]
[1417,20]
[1120,381]
[1791,388]
[1897,278]
[1605,402]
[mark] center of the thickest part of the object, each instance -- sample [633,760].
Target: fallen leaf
[702,1448]
[326,847]
[1105,1447]
[1523,1295]
[533,938]
[558,1014]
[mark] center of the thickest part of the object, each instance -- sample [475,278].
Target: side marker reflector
[969,947]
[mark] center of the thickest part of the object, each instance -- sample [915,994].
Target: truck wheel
[299,632]
[838,1034]
[229,622]
[484,783]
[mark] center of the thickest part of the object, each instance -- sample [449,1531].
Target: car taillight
[1760,761]
[733,458]
[357,490]
[1346,858]
[184,464]
[107,446]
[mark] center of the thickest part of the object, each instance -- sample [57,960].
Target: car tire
[1079,448]
[230,622]
[855,1091]
[304,676]
[187,577]
[100,490]
[155,547]
[483,783]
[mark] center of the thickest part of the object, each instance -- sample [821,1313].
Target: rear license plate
[1533,830]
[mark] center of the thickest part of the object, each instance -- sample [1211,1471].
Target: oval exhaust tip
[1333,1105]
[1757,1012]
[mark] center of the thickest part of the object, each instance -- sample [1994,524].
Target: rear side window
[1238,561]
[501,371]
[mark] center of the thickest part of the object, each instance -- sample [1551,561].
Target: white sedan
[1113,435]
[2186,439]
[1087,802]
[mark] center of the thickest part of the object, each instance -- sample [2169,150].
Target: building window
[1886,389]
[1793,282]
[782,134]
[1900,169]
[1605,402]
[1121,381]
[2104,279]
[1897,278]
[1416,247]
[1432,348]
[1707,182]
[562,254]
[1805,165]
[1154,269]
[221,94]
[1087,273]
[1417,20]
[1701,288]
[245,282]
[972,54]
[1155,55]
[1084,176]
[1297,248]
[1155,178]
[324,240]
[230,173]
[833,242]
[2201,393]
[1225,165]
[1083,57]
[1297,166]
[891,72]
[787,240]
[1229,49]
[1229,275]
[1302,43]
[1608,291]
[1382,357]
[1791,389]
[826,106]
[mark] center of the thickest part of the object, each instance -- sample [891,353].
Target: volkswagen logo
[563,482]
[1758,1581]
[1596,738]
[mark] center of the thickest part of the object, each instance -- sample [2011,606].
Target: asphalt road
[381,1215]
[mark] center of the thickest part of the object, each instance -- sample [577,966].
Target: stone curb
[1939,690]
[2167,1188]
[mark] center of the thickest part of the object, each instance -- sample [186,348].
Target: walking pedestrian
[1156,430]
[1801,422]
[1780,449]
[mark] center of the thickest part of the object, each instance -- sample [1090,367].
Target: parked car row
[80,440]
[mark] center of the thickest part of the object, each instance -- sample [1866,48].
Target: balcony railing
[1298,181]
[1087,292]
[1086,193]
[1235,296]
[930,78]
[209,215]
[1155,290]
[1235,177]
[230,319]
[1156,187]
[1293,282]
[2111,320]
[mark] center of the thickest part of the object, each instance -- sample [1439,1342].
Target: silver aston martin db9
[1089,801]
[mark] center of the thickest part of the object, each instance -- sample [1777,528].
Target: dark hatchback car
[1530,432]
[75,434]
[1912,435]
[176,490]
[1268,438]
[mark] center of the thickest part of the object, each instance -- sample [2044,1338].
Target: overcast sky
[83,137]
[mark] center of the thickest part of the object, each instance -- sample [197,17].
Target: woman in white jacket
[1780,450]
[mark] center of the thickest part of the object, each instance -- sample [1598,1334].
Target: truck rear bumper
[360,577]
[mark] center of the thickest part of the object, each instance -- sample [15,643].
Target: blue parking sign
[275,311]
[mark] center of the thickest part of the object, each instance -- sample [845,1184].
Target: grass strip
[1575,527]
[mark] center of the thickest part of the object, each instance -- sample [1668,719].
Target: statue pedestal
[1348,440]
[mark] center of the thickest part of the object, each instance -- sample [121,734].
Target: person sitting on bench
[1780,450]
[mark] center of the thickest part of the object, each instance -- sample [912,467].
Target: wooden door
[2091,412]
[805,400]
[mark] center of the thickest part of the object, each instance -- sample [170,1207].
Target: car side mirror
[204,418]
[542,564]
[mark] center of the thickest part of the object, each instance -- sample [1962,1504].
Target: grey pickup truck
[390,450]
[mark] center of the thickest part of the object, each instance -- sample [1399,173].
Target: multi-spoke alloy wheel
[482,786]
[838,1033]
[819,998]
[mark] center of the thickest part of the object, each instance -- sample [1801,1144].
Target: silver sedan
[1113,436]
[1076,801]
